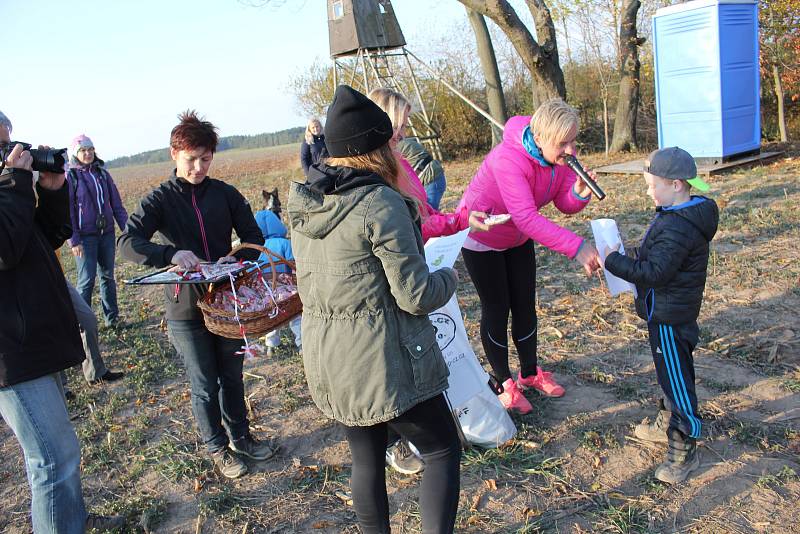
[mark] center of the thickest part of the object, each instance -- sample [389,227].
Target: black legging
[430,427]
[506,281]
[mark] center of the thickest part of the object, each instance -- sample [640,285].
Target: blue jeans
[98,251]
[37,414]
[435,190]
[215,375]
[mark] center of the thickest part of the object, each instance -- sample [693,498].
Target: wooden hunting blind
[355,25]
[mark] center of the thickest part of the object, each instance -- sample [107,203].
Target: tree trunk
[541,60]
[776,75]
[605,119]
[494,86]
[628,101]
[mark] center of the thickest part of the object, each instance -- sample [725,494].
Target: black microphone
[574,164]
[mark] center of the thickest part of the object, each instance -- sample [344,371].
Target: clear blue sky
[121,70]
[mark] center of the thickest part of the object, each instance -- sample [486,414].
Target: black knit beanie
[355,124]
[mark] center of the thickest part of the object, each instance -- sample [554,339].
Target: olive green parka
[369,350]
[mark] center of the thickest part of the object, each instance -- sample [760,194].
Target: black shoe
[253,448]
[110,376]
[104,523]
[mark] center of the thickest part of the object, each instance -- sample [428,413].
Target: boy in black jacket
[670,275]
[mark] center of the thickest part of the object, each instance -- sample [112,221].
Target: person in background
[520,176]
[95,205]
[312,148]
[369,350]
[274,233]
[94,368]
[38,338]
[196,216]
[429,170]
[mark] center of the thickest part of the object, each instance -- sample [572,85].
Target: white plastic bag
[484,421]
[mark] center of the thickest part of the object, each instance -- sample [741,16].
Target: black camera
[44,160]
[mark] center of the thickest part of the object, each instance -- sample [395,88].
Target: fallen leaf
[475,502]
[321,524]
[491,484]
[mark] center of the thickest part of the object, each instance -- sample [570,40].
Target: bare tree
[494,86]
[628,100]
[540,57]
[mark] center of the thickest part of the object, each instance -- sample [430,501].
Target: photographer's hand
[51,180]
[19,159]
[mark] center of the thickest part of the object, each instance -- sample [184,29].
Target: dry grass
[574,466]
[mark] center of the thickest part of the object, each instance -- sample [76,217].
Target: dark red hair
[192,133]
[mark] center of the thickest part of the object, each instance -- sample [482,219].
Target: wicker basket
[223,323]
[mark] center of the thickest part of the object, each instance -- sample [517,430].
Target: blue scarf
[530,147]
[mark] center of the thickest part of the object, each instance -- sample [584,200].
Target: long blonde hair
[392,102]
[308,135]
[381,161]
[395,105]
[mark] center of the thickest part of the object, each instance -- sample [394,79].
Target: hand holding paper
[607,240]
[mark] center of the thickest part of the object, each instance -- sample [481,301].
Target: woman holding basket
[196,216]
[369,350]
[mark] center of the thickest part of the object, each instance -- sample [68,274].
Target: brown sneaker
[228,464]
[401,458]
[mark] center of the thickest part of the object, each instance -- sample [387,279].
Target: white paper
[606,234]
[443,251]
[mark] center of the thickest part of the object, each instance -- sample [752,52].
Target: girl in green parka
[369,350]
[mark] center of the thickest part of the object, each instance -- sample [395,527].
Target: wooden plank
[635,166]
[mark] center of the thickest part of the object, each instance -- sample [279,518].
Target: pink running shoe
[542,382]
[513,399]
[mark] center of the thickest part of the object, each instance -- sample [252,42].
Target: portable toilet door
[707,78]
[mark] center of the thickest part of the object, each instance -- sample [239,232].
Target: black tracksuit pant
[506,282]
[672,347]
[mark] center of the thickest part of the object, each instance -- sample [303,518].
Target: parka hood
[330,193]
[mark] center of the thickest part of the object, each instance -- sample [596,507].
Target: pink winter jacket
[434,223]
[512,181]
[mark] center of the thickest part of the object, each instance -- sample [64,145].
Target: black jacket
[199,218]
[39,331]
[670,270]
[313,153]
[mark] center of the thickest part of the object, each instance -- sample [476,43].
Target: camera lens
[49,160]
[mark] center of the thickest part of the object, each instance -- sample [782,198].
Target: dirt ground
[574,465]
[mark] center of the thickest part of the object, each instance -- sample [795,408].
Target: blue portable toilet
[707,78]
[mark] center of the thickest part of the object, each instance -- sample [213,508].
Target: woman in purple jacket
[95,205]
